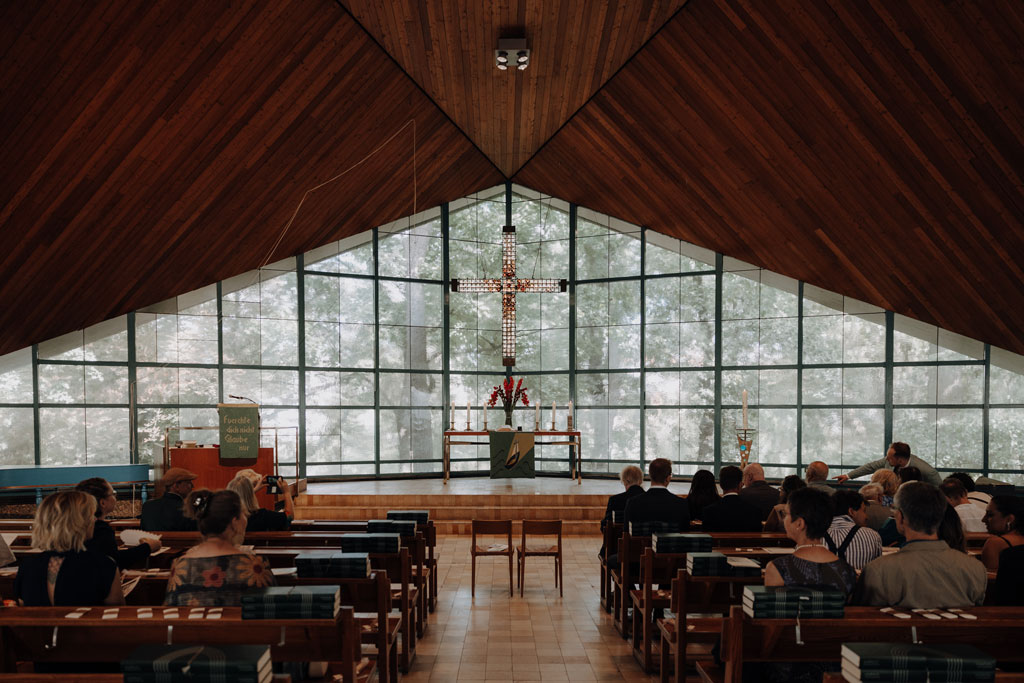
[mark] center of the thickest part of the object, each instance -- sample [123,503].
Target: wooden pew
[655,569]
[630,551]
[707,596]
[37,634]
[612,534]
[745,639]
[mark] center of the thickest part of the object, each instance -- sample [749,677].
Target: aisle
[540,637]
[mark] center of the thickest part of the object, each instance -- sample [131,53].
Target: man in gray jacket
[896,457]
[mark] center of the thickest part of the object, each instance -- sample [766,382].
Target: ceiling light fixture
[512,46]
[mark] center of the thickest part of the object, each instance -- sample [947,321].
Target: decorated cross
[509,285]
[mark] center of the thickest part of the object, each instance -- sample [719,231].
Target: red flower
[213,578]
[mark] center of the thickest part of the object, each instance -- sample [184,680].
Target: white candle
[552,412]
[483,409]
[467,412]
[570,410]
[744,408]
[536,413]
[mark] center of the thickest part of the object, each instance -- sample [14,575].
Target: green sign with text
[239,431]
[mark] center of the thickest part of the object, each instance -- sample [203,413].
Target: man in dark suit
[164,513]
[732,513]
[631,477]
[658,504]
[756,490]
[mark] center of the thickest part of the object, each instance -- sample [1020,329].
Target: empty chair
[541,528]
[492,528]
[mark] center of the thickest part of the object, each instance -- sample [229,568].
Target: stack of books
[948,663]
[649,528]
[333,565]
[681,543]
[198,664]
[291,602]
[780,602]
[391,526]
[370,543]
[418,516]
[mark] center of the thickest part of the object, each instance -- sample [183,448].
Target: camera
[274,484]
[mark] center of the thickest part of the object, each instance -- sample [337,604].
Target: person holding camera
[261,519]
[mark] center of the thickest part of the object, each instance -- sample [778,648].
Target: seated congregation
[899,547]
[351,614]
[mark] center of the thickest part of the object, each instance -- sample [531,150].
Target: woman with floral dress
[217,571]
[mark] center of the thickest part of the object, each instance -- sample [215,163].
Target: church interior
[455,272]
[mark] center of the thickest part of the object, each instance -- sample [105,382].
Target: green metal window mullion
[35,405]
[799,374]
[446,350]
[572,311]
[220,341]
[984,411]
[643,347]
[508,221]
[719,264]
[890,324]
[133,390]
[376,354]
[300,286]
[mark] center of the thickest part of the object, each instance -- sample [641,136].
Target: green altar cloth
[511,455]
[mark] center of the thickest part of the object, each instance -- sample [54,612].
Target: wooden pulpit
[214,474]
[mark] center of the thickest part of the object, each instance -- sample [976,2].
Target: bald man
[756,490]
[816,477]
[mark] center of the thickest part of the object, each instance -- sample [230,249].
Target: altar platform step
[455,505]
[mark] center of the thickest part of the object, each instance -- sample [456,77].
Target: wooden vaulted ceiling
[875,149]
[872,148]
[151,148]
[448,46]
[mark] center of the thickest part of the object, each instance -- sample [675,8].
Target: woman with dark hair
[1004,518]
[789,484]
[216,571]
[103,539]
[703,492]
[806,517]
[951,530]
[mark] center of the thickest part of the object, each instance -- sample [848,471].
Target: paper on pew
[9,537]
[128,584]
[283,571]
[133,537]
[779,551]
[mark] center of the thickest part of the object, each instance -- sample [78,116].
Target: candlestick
[744,408]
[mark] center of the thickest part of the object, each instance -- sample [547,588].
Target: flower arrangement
[510,392]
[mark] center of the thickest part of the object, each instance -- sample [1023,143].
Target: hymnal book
[653,527]
[418,516]
[853,674]
[370,543]
[262,677]
[706,564]
[781,602]
[198,661]
[391,526]
[664,542]
[758,612]
[939,659]
[291,602]
[335,565]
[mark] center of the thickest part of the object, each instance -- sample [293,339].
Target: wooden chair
[541,528]
[630,550]
[491,528]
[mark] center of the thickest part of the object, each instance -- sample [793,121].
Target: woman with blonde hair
[261,519]
[65,573]
[889,481]
[217,571]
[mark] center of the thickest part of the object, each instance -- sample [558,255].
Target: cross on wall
[509,285]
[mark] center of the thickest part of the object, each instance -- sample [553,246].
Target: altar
[512,451]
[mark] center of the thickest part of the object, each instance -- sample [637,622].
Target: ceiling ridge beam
[596,92]
[420,88]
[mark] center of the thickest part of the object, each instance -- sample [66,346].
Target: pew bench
[997,631]
[45,634]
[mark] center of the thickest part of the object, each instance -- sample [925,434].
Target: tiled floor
[539,637]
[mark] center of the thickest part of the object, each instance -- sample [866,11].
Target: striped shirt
[865,546]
